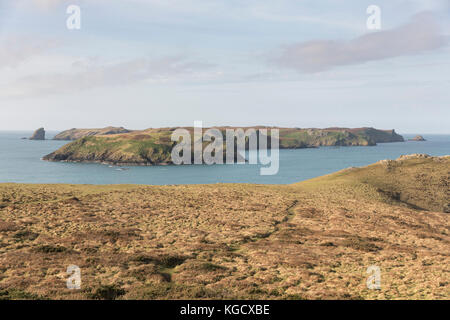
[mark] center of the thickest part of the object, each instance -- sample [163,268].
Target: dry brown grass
[312,240]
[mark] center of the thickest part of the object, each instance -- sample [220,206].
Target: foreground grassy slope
[417,181]
[154,146]
[309,240]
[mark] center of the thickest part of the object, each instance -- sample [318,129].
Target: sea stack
[418,138]
[39,134]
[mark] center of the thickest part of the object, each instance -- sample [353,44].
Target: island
[154,146]
[310,240]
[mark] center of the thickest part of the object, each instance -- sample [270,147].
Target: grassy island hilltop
[310,240]
[154,146]
[74,133]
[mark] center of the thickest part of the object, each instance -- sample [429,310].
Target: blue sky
[152,63]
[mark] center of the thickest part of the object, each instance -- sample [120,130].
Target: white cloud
[46,4]
[14,51]
[421,34]
[87,75]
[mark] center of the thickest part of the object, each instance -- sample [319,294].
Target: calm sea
[20,161]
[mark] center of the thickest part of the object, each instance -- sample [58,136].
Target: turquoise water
[20,161]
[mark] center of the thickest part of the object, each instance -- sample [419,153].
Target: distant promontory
[154,146]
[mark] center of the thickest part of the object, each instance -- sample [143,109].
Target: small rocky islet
[39,134]
[417,138]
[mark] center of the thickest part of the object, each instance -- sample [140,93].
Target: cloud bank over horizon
[89,74]
[421,34]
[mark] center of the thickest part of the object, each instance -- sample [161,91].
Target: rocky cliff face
[74,134]
[154,146]
[39,134]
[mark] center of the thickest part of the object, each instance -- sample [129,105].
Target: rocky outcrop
[446,208]
[74,134]
[39,134]
[414,156]
[417,138]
